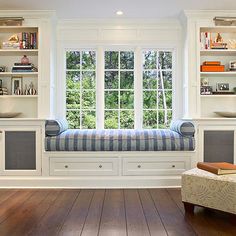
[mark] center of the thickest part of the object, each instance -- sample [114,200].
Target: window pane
[88,80]
[88,60]
[88,120]
[150,99]
[127,119]
[73,80]
[150,60]
[150,119]
[88,99]
[111,60]
[126,79]
[150,79]
[111,80]
[165,60]
[73,118]
[164,119]
[73,60]
[111,100]
[127,99]
[111,120]
[72,100]
[167,80]
[126,60]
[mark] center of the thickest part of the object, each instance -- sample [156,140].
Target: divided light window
[157,88]
[119,90]
[81,89]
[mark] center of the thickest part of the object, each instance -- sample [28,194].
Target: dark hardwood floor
[108,212]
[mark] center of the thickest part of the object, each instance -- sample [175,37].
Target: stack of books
[218,168]
[10,45]
[3,91]
[212,66]
[26,67]
[28,40]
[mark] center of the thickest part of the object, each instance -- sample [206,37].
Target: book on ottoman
[218,168]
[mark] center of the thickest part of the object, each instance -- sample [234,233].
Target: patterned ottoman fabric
[203,188]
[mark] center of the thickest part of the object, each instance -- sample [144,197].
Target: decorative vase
[24,60]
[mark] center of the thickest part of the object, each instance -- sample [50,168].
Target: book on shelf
[218,168]
[24,67]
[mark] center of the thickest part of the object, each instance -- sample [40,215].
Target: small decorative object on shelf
[232,65]
[3,69]
[206,90]
[212,66]
[32,90]
[24,60]
[222,87]
[11,21]
[16,85]
[204,82]
[26,90]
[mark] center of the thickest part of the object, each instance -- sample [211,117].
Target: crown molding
[208,13]
[33,14]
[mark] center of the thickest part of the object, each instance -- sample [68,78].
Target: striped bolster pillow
[184,128]
[55,127]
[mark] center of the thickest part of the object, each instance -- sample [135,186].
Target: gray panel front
[219,146]
[20,150]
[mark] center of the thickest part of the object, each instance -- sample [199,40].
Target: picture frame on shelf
[206,90]
[16,85]
[222,87]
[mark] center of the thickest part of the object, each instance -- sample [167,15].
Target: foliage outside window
[119,90]
[81,89]
[157,89]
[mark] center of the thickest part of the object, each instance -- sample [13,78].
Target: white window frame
[138,70]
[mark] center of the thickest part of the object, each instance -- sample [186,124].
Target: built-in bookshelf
[210,96]
[25,42]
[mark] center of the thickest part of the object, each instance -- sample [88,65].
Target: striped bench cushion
[119,140]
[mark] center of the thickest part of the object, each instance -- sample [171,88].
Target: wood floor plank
[113,221]
[171,215]
[5,193]
[34,215]
[153,219]
[136,222]
[18,220]
[92,223]
[11,204]
[56,214]
[75,220]
[203,221]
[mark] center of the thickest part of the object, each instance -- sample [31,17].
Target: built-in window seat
[180,137]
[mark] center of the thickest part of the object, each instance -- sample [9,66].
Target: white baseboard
[91,182]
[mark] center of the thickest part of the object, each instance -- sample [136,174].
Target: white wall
[131,33]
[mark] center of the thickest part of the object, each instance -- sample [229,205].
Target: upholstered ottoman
[205,189]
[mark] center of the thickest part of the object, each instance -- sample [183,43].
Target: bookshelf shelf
[219,73]
[18,73]
[217,52]
[18,96]
[219,96]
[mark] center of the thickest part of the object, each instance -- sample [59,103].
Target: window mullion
[100,104]
[138,94]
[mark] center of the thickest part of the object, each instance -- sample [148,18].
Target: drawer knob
[66,166]
[173,166]
[139,166]
[100,166]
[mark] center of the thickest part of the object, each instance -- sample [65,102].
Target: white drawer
[83,166]
[150,166]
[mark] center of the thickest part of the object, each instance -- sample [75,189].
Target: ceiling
[66,9]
